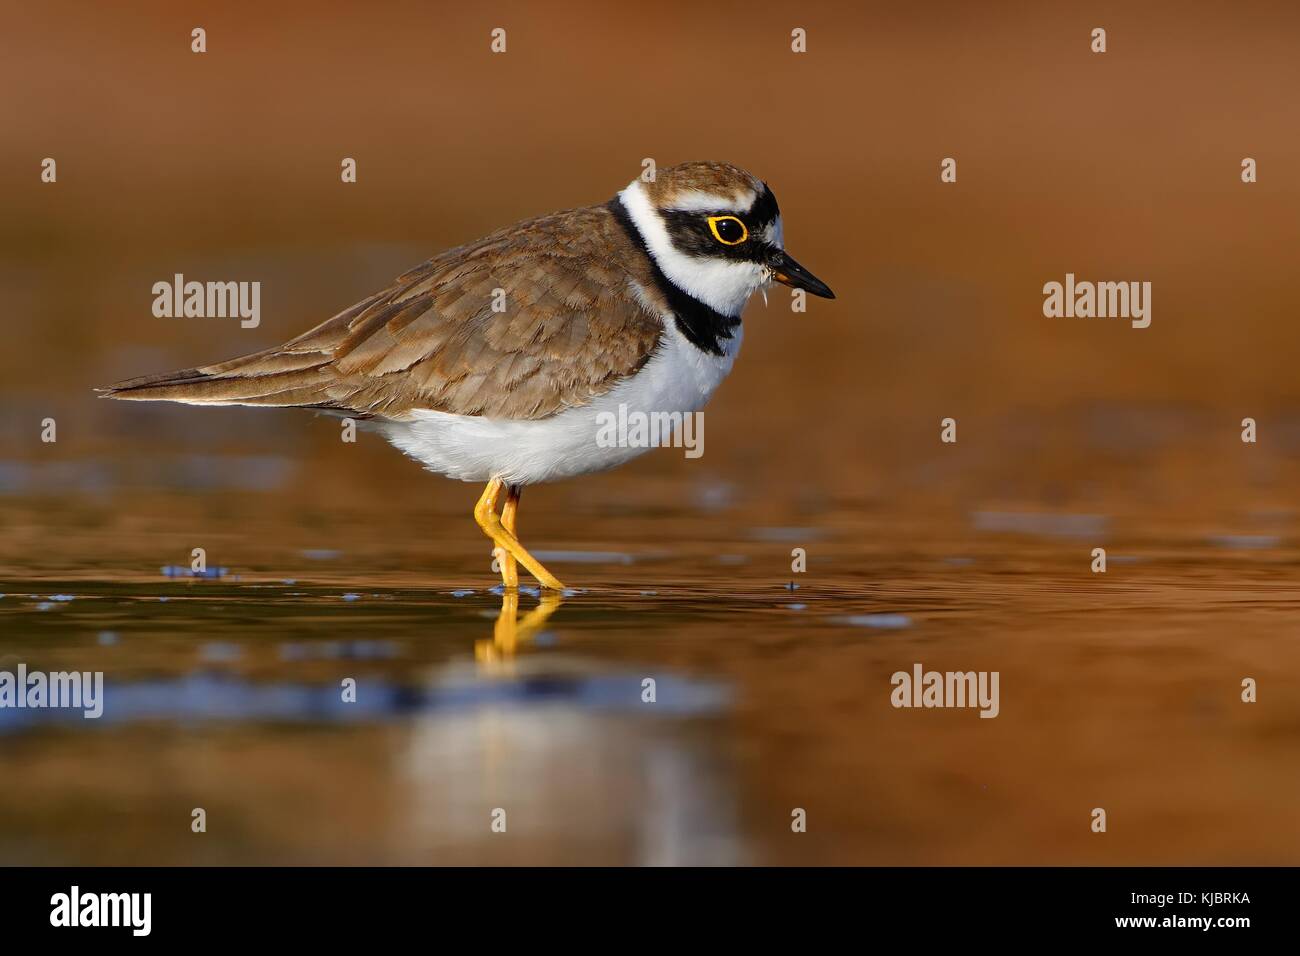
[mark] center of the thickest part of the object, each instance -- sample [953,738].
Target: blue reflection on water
[210,697]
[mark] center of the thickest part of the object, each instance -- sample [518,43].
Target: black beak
[787,271]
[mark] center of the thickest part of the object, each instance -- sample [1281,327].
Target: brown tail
[280,379]
[298,373]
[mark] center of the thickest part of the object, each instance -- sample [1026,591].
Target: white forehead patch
[696,200]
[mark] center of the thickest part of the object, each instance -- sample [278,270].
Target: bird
[493,362]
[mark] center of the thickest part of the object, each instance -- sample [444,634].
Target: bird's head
[715,232]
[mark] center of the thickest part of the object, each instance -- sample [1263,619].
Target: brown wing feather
[574,324]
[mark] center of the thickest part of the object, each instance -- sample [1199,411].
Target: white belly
[678,378]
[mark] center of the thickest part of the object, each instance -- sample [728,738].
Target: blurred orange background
[1118,166]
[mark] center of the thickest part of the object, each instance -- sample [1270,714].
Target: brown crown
[721,178]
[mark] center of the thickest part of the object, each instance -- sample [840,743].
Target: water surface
[772,693]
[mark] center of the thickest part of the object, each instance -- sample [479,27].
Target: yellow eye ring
[713,228]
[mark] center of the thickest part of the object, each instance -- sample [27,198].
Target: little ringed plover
[494,361]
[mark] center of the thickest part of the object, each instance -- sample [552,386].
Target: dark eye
[728,230]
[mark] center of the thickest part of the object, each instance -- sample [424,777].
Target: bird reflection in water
[511,630]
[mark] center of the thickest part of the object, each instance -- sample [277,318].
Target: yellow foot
[504,538]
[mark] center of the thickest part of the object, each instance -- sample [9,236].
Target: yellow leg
[485,514]
[509,513]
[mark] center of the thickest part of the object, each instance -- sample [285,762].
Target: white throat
[719,283]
